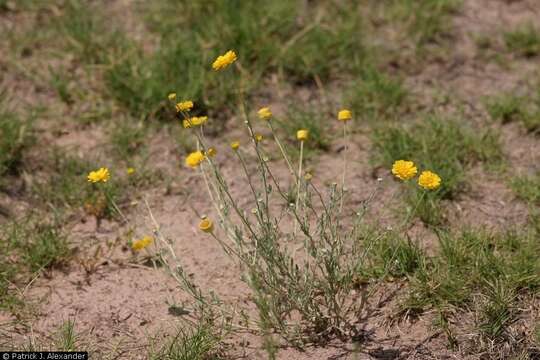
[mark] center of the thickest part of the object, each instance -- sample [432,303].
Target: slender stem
[298,182]
[281,147]
[344,165]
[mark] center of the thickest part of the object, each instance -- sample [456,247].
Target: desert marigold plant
[194,159]
[100,175]
[235,145]
[404,170]
[186,105]
[194,121]
[211,152]
[264,113]
[302,135]
[225,60]
[301,298]
[140,244]
[344,115]
[429,180]
[206,225]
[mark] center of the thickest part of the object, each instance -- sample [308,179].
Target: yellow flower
[130,170]
[184,105]
[344,115]
[194,159]
[258,137]
[429,180]
[138,245]
[302,135]
[235,145]
[225,60]
[211,152]
[206,225]
[101,174]
[194,121]
[172,96]
[264,113]
[404,170]
[308,176]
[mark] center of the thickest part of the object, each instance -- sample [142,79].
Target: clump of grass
[28,246]
[497,311]
[444,146]
[87,33]
[506,108]
[524,40]
[376,95]
[15,138]
[196,342]
[527,188]
[426,21]
[127,138]
[509,108]
[474,263]
[388,254]
[67,339]
[60,82]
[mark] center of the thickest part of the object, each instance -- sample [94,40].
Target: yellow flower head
[130,170]
[302,135]
[140,244]
[258,137]
[184,105]
[225,60]
[206,225]
[235,145]
[404,170]
[264,113]
[172,96]
[429,180]
[194,159]
[194,121]
[344,115]
[101,174]
[211,152]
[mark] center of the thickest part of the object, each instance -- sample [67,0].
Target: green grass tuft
[199,342]
[87,33]
[509,108]
[524,40]
[375,95]
[426,21]
[388,254]
[527,188]
[15,138]
[469,263]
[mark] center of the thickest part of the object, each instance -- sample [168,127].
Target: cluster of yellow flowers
[406,170]
[140,244]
